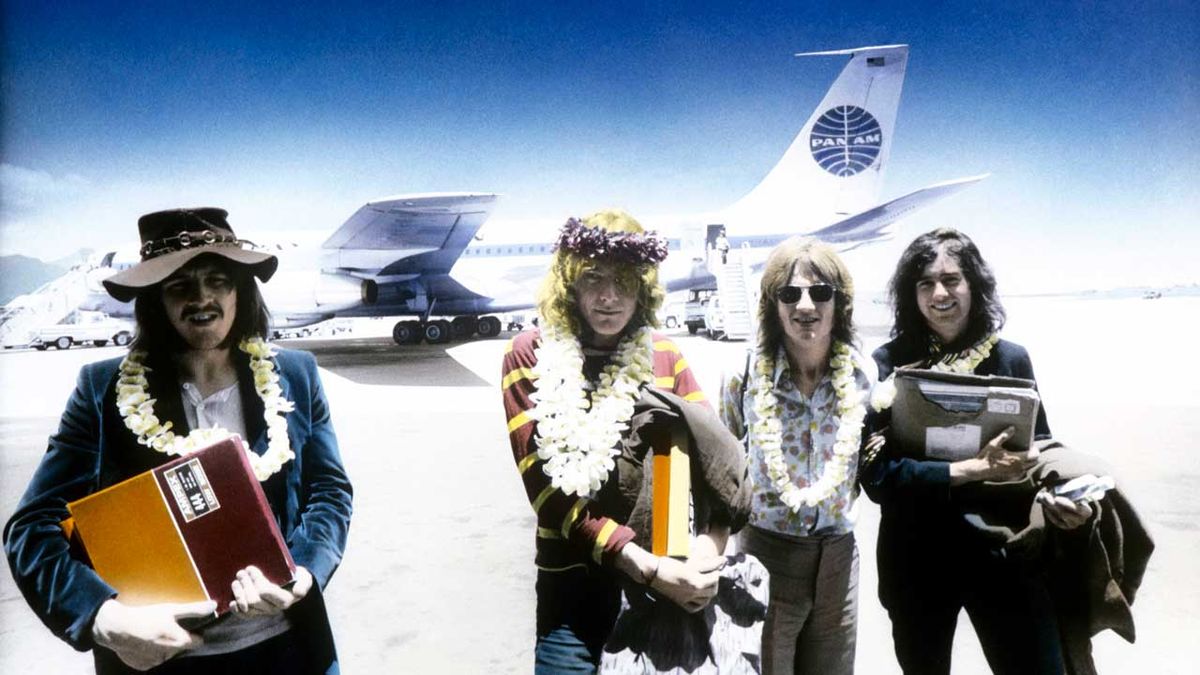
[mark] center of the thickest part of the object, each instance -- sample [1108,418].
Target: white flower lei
[768,431]
[967,361]
[137,411]
[578,440]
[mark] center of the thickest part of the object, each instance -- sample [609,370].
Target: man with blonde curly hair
[569,392]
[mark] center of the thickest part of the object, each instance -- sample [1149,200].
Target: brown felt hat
[171,239]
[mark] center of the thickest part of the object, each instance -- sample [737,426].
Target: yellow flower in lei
[967,361]
[137,411]
[577,439]
[768,431]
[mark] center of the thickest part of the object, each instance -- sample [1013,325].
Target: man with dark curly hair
[932,562]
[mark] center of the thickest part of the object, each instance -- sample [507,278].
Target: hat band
[185,240]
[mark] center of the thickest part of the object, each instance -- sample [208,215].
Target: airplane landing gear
[462,327]
[441,331]
[437,332]
[488,326]
[407,332]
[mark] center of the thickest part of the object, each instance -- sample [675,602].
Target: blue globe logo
[845,140]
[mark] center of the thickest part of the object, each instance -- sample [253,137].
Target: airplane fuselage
[430,255]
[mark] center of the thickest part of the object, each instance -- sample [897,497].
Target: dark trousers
[576,611]
[1008,604]
[282,654]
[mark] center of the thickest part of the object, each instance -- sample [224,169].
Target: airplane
[427,258]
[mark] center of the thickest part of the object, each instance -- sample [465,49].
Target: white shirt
[232,632]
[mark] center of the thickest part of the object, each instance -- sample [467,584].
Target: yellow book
[670,530]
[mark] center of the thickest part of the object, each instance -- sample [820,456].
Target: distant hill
[21,274]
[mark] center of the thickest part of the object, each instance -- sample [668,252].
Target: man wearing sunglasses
[797,404]
[818,293]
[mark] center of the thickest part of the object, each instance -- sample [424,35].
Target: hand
[994,463]
[711,543]
[146,636]
[255,595]
[1062,512]
[691,584]
[874,444]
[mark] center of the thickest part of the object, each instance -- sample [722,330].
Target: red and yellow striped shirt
[570,531]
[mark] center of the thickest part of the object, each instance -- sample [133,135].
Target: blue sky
[291,115]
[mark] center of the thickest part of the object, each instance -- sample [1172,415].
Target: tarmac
[438,575]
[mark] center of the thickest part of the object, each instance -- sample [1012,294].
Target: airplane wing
[382,235]
[872,223]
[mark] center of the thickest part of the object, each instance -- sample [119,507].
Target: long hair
[822,264]
[987,313]
[156,335]
[556,301]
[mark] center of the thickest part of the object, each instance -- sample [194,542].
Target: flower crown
[624,247]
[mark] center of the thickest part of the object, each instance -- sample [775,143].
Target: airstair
[21,318]
[737,297]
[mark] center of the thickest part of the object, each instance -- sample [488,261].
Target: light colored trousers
[812,618]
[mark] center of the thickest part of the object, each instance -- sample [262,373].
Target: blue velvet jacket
[310,496]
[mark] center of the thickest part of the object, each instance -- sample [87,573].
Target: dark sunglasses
[789,295]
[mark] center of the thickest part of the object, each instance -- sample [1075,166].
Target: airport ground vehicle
[670,316]
[82,327]
[696,309]
[714,320]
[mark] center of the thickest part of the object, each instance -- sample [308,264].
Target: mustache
[189,311]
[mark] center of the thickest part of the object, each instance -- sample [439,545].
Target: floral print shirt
[809,431]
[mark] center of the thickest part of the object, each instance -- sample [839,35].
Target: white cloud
[30,189]
[48,216]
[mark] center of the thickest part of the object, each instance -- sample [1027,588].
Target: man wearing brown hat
[198,369]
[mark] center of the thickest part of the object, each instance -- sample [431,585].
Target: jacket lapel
[168,404]
[252,405]
[163,385]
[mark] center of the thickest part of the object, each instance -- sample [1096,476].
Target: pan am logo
[845,140]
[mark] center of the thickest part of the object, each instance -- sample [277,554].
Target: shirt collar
[192,394]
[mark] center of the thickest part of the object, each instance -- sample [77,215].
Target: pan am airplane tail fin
[835,164]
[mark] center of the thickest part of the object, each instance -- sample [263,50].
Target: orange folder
[180,532]
[670,523]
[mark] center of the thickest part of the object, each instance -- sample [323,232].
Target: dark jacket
[310,496]
[921,522]
[719,475]
[1092,572]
